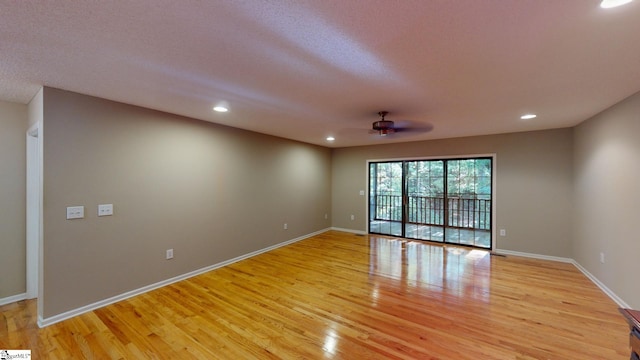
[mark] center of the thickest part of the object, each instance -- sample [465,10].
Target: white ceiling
[307,69]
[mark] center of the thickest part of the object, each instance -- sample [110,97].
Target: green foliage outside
[467,178]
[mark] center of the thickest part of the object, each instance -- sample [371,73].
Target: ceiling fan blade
[422,129]
[405,126]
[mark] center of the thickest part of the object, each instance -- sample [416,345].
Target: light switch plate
[105,209]
[75,212]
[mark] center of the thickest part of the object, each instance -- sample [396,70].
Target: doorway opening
[441,200]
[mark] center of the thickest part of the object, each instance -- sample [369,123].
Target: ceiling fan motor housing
[383,126]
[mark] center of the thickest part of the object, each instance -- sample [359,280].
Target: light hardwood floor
[343,296]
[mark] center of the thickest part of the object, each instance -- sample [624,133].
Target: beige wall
[607,197]
[210,192]
[533,175]
[13,129]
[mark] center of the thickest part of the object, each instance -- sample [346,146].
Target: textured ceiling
[307,69]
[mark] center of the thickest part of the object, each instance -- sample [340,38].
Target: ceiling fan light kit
[382,126]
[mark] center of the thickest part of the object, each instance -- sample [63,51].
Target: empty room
[319,179]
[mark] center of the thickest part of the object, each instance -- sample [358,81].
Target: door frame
[34,214]
[494,188]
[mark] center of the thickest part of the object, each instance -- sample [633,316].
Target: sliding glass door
[447,200]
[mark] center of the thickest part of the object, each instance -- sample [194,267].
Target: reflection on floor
[478,238]
[454,270]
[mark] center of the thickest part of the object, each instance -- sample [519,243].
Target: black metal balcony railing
[462,212]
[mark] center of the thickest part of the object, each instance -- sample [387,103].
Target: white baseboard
[586,273]
[11,299]
[42,322]
[534,256]
[358,232]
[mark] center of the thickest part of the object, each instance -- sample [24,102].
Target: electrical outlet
[503,232]
[286,226]
[602,257]
[326,216]
[169,254]
[75,212]
[353,217]
[105,209]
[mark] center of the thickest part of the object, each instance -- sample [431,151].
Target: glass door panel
[385,198]
[468,204]
[424,200]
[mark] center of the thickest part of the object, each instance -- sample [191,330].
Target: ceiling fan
[384,127]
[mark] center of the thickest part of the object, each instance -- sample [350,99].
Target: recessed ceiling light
[607,4]
[220,109]
[528,116]
[330,138]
